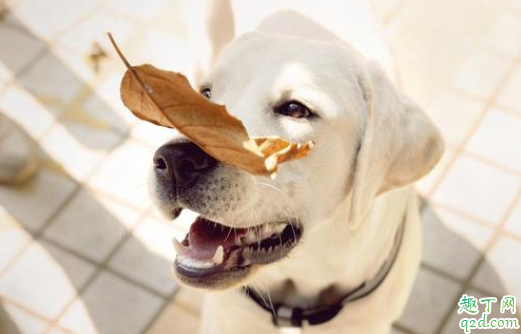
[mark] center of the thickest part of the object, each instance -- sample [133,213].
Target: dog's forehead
[271,53]
[278,67]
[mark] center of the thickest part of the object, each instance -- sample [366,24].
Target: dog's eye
[294,109]
[207,92]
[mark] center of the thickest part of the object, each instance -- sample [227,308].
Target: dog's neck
[334,259]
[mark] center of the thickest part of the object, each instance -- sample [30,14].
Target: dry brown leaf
[166,98]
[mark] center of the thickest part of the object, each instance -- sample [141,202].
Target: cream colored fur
[352,192]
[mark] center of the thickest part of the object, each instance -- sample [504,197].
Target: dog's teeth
[218,257]
[266,230]
[250,237]
[279,228]
[177,246]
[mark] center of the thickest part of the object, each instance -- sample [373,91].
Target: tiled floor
[83,252]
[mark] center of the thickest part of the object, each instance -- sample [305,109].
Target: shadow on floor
[54,84]
[6,325]
[48,79]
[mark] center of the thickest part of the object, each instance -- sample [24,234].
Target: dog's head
[368,139]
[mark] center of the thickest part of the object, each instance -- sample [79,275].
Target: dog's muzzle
[214,254]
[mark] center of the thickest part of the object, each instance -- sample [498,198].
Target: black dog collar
[285,316]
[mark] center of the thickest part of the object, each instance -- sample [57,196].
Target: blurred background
[83,252]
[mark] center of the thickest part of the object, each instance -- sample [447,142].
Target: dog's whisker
[269,295]
[270,186]
[266,302]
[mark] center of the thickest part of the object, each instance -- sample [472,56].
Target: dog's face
[291,87]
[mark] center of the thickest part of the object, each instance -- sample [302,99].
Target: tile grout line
[103,265]
[487,105]
[83,187]
[476,99]
[47,48]
[465,215]
[492,163]
[97,264]
[79,185]
[447,275]
[497,234]
[159,312]
[39,234]
[99,269]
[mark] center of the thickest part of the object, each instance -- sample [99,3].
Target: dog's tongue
[205,236]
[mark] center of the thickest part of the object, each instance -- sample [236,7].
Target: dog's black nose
[181,163]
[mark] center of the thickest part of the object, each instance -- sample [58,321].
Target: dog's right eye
[294,109]
[207,92]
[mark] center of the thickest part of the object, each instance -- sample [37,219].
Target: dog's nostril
[181,163]
[187,165]
[160,163]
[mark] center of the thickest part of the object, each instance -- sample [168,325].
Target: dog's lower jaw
[217,281]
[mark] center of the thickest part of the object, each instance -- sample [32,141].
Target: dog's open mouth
[211,250]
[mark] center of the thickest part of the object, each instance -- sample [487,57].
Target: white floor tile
[27,110]
[77,270]
[78,148]
[111,305]
[513,223]
[44,279]
[477,189]
[510,96]
[190,298]
[94,30]
[59,16]
[176,317]
[33,203]
[124,174]
[482,74]
[107,105]
[101,112]
[505,36]
[176,57]
[452,243]
[136,9]
[148,255]
[498,128]
[5,76]
[92,225]
[12,238]
[501,272]
[53,83]
[455,115]
[427,306]
[514,4]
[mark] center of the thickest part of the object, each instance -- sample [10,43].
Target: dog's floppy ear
[399,146]
[212,28]
[220,25]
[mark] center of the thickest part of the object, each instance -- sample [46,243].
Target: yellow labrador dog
[332,245]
